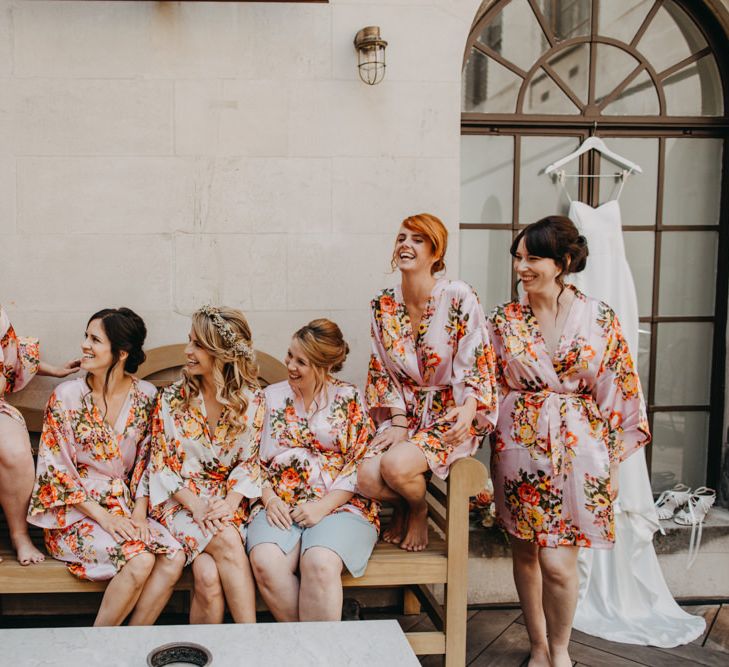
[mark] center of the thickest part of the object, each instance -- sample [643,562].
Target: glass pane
[486,264]
[538,194]
[638,197]
[688,273]
[639,251]
[695,90]
[612,66]
[680,447]
[569,18]
[545,96]
[488,87]
[670,37]
[622,19]
[572,65]
[644,355]
[638,99]
[487,173]
[516,35]
[683,363]
[692,188]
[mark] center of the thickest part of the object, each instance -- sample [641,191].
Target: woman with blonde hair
[431,386]
[316,431]
[204,467]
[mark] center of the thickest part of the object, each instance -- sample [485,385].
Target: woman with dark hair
[571,409]
[91,487]
[312,522]
[431,387]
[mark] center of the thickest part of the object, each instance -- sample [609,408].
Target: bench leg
[411,603]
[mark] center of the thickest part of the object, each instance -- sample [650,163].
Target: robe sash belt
[552,434]
[426,395]
[116,494]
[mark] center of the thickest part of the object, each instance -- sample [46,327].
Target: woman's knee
[321,566]
[15,449]
[268,563]
[558,572]
[140,566]
[227,544]
[172,567]
[207,586]
[369,479]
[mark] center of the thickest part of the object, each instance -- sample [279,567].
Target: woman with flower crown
[204,468]
[431,385]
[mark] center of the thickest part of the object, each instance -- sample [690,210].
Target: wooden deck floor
[498,638]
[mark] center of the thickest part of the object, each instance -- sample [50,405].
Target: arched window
[539,77]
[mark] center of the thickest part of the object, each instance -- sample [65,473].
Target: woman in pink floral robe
[90,493]
[316,433]
[204,472]
[431,385]
[571,409]
[19,362]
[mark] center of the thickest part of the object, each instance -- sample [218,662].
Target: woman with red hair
[431,384]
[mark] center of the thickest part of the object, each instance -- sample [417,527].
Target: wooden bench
[445,561]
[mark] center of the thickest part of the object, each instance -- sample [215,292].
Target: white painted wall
[161,155]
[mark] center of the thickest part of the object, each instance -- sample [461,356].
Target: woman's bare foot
[416,537]
[26,551]
[539,657]
[560,659]
[395,530]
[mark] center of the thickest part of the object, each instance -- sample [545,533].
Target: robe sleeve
[166,455]
[360,430]
[499,361]
[619,396]
[383,391]
[58,485]
[19,357]
[139,481]
[474,370]
[245,478]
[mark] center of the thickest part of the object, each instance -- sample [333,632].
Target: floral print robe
[82,458]
[562,420]
[428,372]
[185,454]
[19,359]
[307,454]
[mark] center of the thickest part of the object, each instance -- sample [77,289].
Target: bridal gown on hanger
[623,596]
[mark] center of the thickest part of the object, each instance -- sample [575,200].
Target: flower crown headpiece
[238,347]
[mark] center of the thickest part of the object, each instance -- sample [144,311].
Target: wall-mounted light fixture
[370,54]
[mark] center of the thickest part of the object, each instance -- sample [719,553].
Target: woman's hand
[139,519]
[278,513]
[120,528]
[198,510]
[309,514]
[219,510]
[614,480]
[390,436]
[67,369]
[462,418]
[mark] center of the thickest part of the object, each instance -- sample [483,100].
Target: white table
[348,644]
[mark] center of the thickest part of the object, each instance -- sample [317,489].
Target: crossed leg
[371,484]
[158,589]
[208,601]
[124,590]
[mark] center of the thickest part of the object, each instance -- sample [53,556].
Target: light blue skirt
[349,536]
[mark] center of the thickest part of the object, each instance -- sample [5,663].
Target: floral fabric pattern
[185,454]
[306,455]
[426,373]
[81,457]
[19,359]
[563,419]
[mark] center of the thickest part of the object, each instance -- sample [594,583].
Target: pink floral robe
[186,455]
[81,458]
[305,455]
[19,359]
[562,421]
[428,372]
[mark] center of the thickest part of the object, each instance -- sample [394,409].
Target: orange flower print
[616,419]
[290,478]
[388,304]
[48,495]
[528,494]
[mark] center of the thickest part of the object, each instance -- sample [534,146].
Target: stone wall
[161,155]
